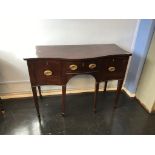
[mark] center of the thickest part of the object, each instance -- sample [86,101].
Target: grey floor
[130,118]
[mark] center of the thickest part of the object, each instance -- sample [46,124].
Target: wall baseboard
[57,92]
[143,105]
[132,95]
[129,93]
[48,92]
[24,94]
[153,111]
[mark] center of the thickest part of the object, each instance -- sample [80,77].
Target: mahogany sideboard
[55,65]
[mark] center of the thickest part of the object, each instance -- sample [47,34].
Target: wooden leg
[39,89]
[105,86]
[35,98]
[63,100]
[95,97]
[1,107]
[119,87]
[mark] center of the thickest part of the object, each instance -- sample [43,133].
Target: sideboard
[56,65]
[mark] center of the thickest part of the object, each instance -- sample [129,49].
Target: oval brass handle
[47,72]
[92,66]
[73,67]
[111,69]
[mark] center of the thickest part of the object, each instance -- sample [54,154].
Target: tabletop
[78,51]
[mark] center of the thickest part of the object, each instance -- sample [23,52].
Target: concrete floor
[129,119]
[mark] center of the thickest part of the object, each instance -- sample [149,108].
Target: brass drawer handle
[111,69]
[48,73]
[92,66]
[73,67]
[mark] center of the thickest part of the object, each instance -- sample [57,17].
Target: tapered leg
[1,107]
[95,97]
[105,86]
[119,87]
[35,98]
[39,89]
[63,100]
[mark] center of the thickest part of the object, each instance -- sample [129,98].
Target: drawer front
[73,66]
[83,66]
[92,65]
[114,67]
[47,71]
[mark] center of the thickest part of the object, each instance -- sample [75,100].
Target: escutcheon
[73,67]
[48,73]
[111,69]
[92,66]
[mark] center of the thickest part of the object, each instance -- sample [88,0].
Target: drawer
[83,66]
[114,67]
[47,71]
[73,66]
[91,65]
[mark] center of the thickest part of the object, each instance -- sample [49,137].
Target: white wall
[146,87]
[19,37]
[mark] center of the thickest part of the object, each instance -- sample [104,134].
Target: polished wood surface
[2,111]
[39,89]
[95,97]
[105,86]
[56,65]
[78,51]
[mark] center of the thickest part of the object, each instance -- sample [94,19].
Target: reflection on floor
[129,118]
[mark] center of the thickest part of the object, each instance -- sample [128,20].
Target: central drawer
[81,66]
